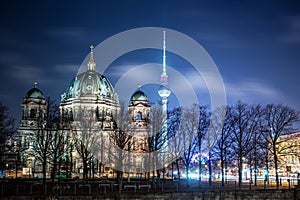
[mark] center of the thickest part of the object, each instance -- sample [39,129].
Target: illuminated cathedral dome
[90,83]
[34,93]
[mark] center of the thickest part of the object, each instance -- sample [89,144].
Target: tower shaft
[164,93]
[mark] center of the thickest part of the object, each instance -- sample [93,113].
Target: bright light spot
[193,175]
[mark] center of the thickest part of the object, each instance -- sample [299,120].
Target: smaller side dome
[139,96]
[35,93]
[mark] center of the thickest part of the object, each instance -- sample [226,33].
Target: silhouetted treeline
[232,136]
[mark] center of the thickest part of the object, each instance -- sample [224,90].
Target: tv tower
[164,93]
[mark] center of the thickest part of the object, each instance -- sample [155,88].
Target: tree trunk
[250,180]
[255,161]
[71,161]
[59,167]
[119,177]
[178,170]
[200,162]
[85,169]
[172,175]
[200,171]
[222,170]
[209,169]
[240,166]
[276,165]
[187,175]
[67,167]
[44,165]
[158,177]
[53,172]
[92,169]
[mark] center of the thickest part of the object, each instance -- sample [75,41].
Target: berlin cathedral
[89,112]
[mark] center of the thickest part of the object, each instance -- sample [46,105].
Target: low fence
[30,189]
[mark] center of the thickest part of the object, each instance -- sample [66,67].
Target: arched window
[139,116]
[32,113]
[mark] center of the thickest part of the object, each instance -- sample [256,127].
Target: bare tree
[280,119]
[256,155]
[188,135]
[43,137]
[175,147]
[7,131]
[86,136]
[204,121]
[210,141]
[40,147]
[57,144]
[156,140]
[245,122]
[122,140]
[58,149]
[224,127]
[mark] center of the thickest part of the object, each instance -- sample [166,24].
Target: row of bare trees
[232,136]
[238,134]
[228,136]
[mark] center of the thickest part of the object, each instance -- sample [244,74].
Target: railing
[23,187]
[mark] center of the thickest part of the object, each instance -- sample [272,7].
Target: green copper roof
[139,96]
[35,94]
[89,83]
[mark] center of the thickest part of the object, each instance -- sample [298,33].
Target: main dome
[90,83]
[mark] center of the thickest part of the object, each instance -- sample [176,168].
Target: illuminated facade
[288,152]
[89,110]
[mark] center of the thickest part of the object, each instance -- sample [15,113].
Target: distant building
[288,152]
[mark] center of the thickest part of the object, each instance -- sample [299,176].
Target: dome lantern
[91,64]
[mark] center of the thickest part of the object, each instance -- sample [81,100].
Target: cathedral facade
[89,124]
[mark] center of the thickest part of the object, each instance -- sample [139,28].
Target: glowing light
[193,175]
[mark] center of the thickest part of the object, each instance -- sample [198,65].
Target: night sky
[255,44]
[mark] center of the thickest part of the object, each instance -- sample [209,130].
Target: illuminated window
[139,116]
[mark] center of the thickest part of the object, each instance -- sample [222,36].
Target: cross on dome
[91,64]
